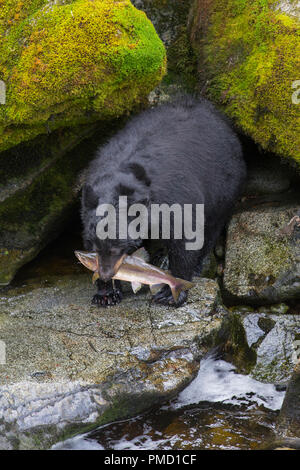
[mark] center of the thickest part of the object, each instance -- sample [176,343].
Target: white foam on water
[140,443]
[217,381]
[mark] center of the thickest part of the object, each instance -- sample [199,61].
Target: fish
[135,269]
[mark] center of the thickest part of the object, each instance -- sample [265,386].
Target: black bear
[183,152]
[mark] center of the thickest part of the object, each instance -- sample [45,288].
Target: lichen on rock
[71,62]
[262,264]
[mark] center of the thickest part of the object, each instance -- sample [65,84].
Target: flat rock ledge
[71,366]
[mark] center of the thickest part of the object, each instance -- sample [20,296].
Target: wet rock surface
[262,264]
[168,17]
[274,338]
[65,80]
[70,366]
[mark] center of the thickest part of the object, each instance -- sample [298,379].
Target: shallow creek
[218,410]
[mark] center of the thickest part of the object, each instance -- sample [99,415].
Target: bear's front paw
[106,299]
[165,297]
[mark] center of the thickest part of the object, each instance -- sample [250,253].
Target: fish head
[105,264]
[111,254]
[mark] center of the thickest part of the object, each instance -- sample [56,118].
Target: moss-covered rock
[68,62]
[248,61]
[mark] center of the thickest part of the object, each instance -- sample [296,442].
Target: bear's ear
[90,198]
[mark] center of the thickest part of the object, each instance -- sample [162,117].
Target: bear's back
[185,150]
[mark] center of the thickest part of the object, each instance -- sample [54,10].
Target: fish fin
[154,288]
[142,254]
[181,284]
[136,286]
[95,277]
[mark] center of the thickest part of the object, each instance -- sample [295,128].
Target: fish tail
[180,285]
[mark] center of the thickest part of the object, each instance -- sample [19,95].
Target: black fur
[183,152]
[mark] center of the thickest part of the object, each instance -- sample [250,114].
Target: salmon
[138,271]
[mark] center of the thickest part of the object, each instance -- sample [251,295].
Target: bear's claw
[165,297]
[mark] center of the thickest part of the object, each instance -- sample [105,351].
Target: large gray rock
[262,265]
[71,366]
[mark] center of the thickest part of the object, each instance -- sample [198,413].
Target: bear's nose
[106,272]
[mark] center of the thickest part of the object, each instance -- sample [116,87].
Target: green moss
[273,372]
[70,63]
[28,210]
[251,55]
